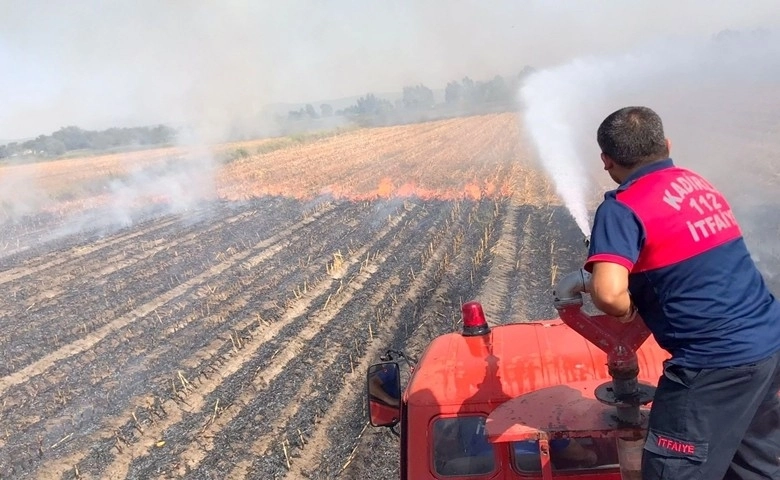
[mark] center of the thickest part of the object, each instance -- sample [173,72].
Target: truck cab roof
[484,371]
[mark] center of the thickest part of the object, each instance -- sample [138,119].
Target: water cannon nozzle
[586,241]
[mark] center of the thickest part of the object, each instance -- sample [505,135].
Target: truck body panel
[470,376]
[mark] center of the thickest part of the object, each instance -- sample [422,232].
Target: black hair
[633,136]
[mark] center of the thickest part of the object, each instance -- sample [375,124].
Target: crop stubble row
[120,357]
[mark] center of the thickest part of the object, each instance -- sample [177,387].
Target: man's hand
[610,291]
[629,316]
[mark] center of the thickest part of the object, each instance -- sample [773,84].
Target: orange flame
[473,191]
[385,188]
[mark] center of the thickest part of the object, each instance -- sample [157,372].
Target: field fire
[230,341]
[215,218]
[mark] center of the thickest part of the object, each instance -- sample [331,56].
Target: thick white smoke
[177,185]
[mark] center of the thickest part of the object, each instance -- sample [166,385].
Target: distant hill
[12,140]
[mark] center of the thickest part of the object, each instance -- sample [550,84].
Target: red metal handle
[619,341]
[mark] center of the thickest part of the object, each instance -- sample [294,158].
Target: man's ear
[608,162]
[668,146]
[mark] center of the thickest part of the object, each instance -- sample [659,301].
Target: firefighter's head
[630,138]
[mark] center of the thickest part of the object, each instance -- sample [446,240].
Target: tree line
[416,103]
[71,138]
[465,95]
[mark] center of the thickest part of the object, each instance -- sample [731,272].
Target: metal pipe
[624,369]
[625,386]
[630,457]
[570,288]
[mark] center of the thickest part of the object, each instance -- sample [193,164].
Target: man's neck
[626,173]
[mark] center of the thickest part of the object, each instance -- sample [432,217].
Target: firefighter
[666,244]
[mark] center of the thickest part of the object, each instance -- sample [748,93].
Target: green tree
[72,137]
[417,97]
[497,90]
[453,92]
[369,105]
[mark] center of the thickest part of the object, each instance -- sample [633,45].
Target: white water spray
[564,105]
[548,96]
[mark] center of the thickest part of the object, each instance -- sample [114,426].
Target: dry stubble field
[219,325]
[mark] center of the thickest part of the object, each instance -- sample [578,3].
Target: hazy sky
[97,64]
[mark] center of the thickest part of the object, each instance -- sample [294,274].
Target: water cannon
[586,241]
[620,341]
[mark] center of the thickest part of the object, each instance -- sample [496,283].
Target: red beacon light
[474,323]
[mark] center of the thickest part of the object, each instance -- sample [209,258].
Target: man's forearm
[609,291]
[615,305]
[619,306]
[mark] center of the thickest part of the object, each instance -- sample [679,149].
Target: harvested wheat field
[204,314]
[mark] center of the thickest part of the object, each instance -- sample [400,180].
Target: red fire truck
[561,398]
